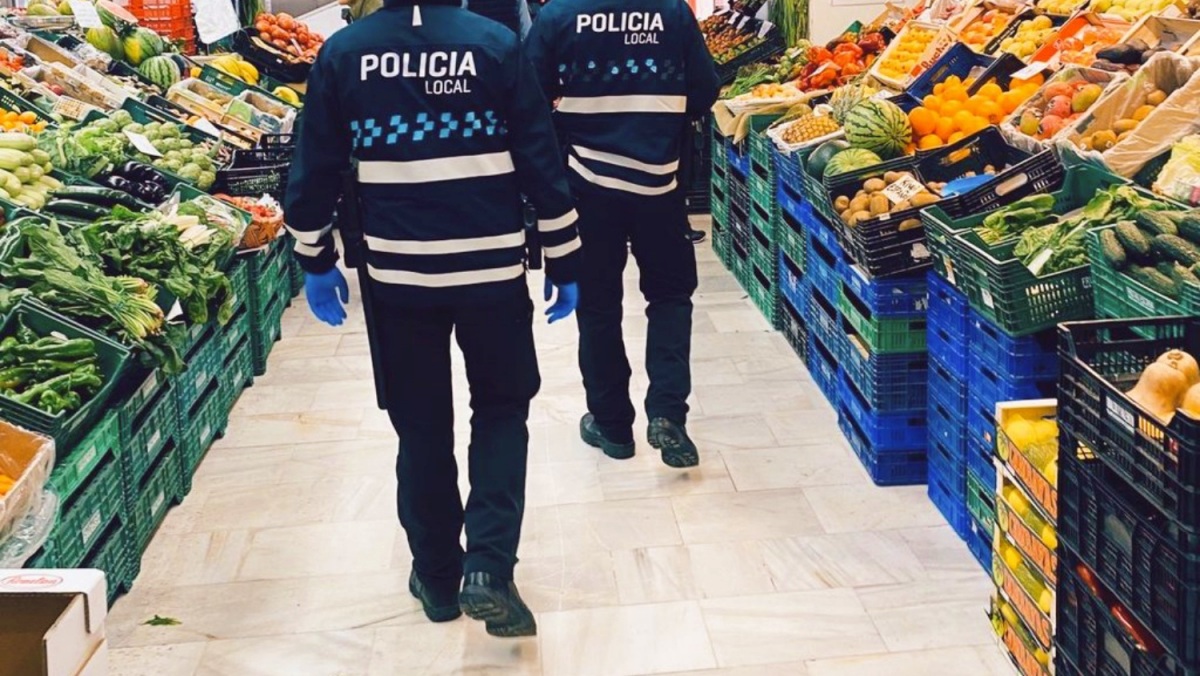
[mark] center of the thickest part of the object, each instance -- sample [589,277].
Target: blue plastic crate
[959,60]
[980,545]
[824,323]
[887,468]
[739,158]
[789,199]
[788,172]
[948,427]
[793,286]
[949,350]
[981,422]
[948,306]
[822,265]
[980,462]
[883,431]
[889,382]
[950,465]
[1033,356]
[952,506]
[893,297]
[988,385]
[823,365]
[945,386]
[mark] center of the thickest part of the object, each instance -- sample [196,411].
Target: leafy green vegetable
[1016,218]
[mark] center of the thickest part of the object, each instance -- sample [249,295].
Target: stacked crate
[947,338]
[823,258]
[719,195]
[739,226]
[270,294]
[1129,507]
[792,289]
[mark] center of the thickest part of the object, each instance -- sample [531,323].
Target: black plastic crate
[1101,360]
[1150,566]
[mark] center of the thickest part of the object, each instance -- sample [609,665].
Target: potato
[924,199]
[860,203]
[860,217]
[901,206]
[842,203]
[891,177]
[845,215]
[1122,126]
[880,204]
[874,185]
[910,224]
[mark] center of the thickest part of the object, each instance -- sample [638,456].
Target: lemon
[1049,536]
[1022,432]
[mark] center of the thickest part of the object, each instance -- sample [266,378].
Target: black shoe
[696,236]
[497,603]
[439,605]
[592,436]
[677,448]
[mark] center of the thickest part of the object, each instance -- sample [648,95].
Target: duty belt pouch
[533,244]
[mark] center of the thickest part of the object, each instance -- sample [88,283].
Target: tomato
[1141,636]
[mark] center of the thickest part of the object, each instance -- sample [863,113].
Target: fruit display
[1102,137]
[1030,36]
[1129,10]
[1060,7]
[840,63]
[1079,41]
[163,71]
[26,121]
[725,41]
[266,215]
[1169,385]
[879,126]
[952,112]
[1159,249]
[235,65]
[844,159]
[138,180]
[905,53]
[980,31]
[1060,104]
[48,372]
[809,127]
[880,197]
[845,98]
[285,35]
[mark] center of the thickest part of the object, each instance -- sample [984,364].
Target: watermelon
[113,15]
[822,154]
[850,160]
[105,39]
[161,70]
[141,44]
[844,99]
[878,126]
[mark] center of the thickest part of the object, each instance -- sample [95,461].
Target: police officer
[628,76]
[442,118]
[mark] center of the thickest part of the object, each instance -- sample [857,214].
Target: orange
[1010,101]
[971,125]
[945,127]
[963,120]
[951,108]
[991,111]
[991,91]
[933,102]
[930,142]
[955,93]
[939,88]
[923,121]
[27,117]
[953,81]
[974,104]
[956,137]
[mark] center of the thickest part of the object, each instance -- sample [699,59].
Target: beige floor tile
[653,479]
[976,661]
[728,432]
[759,397]
[789,669]
[168,660]
[174,559]
[789,627]
[725,517]
[563,483]
[625,641]
[654,575]
[624,524]
[841,560]
[806,427]
[941,552]
[872,508]
[792,467]
[306,347]
[567,582]
[730,569]
[311,426]
[930,614]
[741,320]
[343,653]
[323,549]
[453,649]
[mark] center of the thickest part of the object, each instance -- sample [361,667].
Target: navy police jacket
[628,76]
[444,119]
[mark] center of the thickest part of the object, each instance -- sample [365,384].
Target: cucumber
[1181,275]
[1156,223]
[74,209]
[1189,228]
[1113,252]
[1155,280]
[102,197]
[1174,248]
[1136,243]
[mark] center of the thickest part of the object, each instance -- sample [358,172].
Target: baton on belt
[533,242]
[354,243]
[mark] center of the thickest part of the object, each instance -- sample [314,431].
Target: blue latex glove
[565,304]
[326,293]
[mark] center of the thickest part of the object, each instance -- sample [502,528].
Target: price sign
[765,28]
[1030,70]
[207,127]
[142,144]
[85,14]
[903,190]
[215,19]
[69,107]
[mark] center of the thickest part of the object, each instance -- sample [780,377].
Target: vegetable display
[284,34]
[24,171]
[1170,384]
[1160,249]
[50,373]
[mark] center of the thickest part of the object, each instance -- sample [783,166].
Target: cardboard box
[52,623]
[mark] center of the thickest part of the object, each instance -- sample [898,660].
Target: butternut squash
[1191,402]
[1184,362]
[1160,390]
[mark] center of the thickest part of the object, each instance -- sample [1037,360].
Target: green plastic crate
[147,432]
[1119,296]
[760,286]
[761,144]
[883,336]
[154,494]
[207,423]
[83,517]
[72,470]
[763,251]
[721,241]
[718,200]
[203,367]
[981,502]
[762,186]
[113,554]
[239,279]
[791,239]
[720,146]
[266,330]
[945,248]
[65,428]
[239,373]
[269,276]
[297,275]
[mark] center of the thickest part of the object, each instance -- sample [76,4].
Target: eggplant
[118,183]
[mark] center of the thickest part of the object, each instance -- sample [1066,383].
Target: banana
[287,94]
[249,72]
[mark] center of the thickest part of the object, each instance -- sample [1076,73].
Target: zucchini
[50,182]
[102,197]
[1112,250]
[75,209]
[1156,223]
[1189,228]
[1155,280]
[1181,275]
[18,141]
[1136,243]
[1174,248]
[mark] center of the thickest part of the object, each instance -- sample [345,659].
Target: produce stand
[933,328]
[131,403]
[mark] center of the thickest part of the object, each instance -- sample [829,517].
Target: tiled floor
[775,556]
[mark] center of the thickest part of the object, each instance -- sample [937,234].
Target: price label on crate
[142,144]
[904,189]
[85,14]
[69,107]
[1030,70]
[207,127]
[765,28]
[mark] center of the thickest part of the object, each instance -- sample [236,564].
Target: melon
[822,154]
[161,70]
[141,44]
[878,126]
[851,160]
[844,99]
[106,40]
[114,15]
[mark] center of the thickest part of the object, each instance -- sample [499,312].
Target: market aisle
[286,559]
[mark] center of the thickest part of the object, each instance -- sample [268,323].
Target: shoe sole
[614,451]
[501,618]
[436,613]
[677,459]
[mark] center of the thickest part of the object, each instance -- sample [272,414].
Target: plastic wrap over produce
[25,463]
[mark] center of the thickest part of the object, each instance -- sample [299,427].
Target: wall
[827,20]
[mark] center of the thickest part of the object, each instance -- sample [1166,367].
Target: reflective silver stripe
[632,103]
[561,250]
[310,236]
[445,279]
[616,183]
[306,250]
[440,169]
[552,224]
[627,162]
[446,246]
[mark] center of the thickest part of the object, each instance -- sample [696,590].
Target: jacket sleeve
[539,49]
[539,165]
[315,181]
[702,84]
